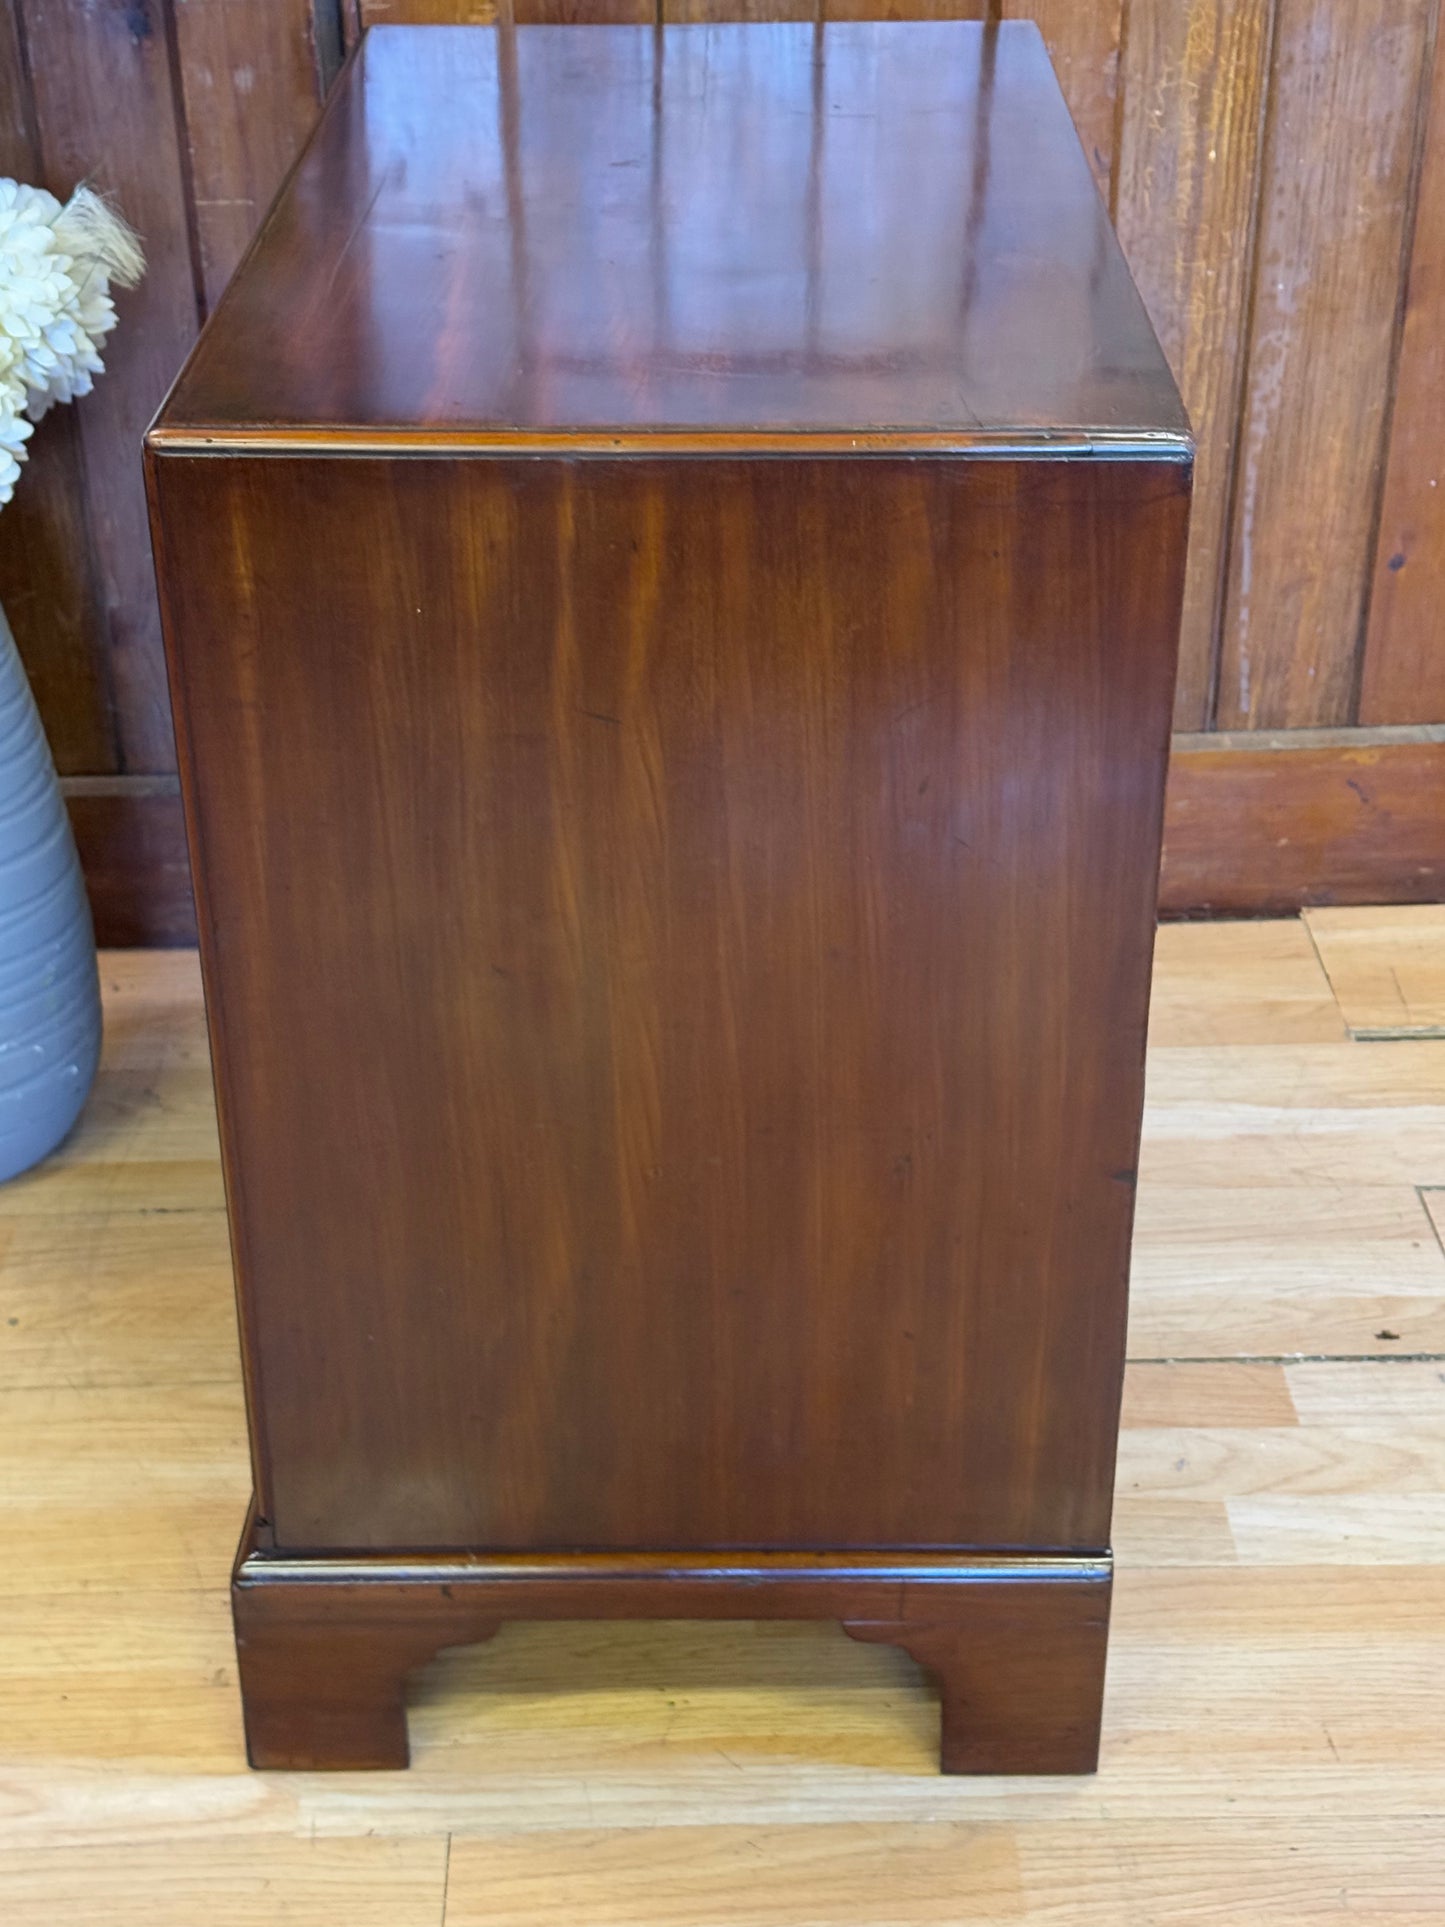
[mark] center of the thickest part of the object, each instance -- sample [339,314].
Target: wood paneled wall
[1277,172]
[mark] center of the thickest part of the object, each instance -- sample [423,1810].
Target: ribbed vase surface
[49,988]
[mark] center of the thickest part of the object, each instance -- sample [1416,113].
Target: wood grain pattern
[1386,967]
[623,736]
[1217,1262]
[157,1251]
[323,1669]
[1083,38]
[104,110]
[655,272]
[721,10]
[172,1883]
[47,584]
[1266,823]
[1274,1733]
[571,13]
[782,1877]
[1193,97]
[1020,1676]
[1403,671]
[622,941]
[707,1003]
[1240,983]
[132,843]
[1184,86]
[520,13]
[1337,163]
[1235,1393]
[358,15]
[250,74]
[779,1876]
[1246,833]
[1384,1104]
[1017,1648]
[910,10]
[49,593]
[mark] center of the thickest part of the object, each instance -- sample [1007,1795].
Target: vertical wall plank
[360,14]
[47,590]
[1279,592]
[1404,667]
[909,9]
[522,13]
[1337,164]
[251,89]
[104,109]
[561,13]
[1083,38]
[1193,88]
[46,585]
[699,10]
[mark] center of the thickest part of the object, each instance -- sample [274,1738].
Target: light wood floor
[1275,1740]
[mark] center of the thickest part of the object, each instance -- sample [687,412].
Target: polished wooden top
[879,232]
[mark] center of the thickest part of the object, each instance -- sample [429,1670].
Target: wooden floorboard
[1274,1747]
[1386,967]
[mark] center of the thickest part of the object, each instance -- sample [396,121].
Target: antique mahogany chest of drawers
[671,551]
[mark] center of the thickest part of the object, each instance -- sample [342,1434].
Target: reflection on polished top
[726,232]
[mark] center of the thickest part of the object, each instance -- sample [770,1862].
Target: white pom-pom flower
[15,430]
[56,267]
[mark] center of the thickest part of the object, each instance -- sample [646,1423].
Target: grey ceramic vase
[49,987]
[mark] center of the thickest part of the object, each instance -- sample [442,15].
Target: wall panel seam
[1409,227]
[183,156]
[98,602]
[1121,84]
[1239,402]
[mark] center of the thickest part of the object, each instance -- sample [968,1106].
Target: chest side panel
[678,938]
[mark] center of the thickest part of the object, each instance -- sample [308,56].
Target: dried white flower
[15,430]
[56,267]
